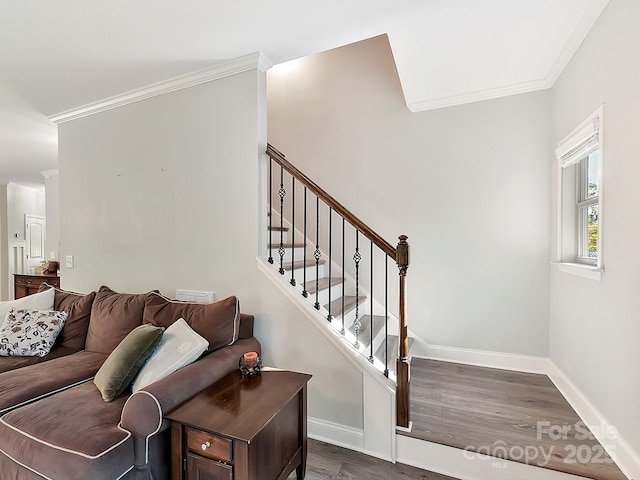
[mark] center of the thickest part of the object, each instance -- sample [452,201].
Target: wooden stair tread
[323,284]
[277,229]
[302,264]
[335,308]
[285,245]
[393,351]
[364,335]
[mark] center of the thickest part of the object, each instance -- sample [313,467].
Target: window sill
[581,270]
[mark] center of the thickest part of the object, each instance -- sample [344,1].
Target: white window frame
[574,150]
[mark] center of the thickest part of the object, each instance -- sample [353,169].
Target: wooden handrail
[380,242]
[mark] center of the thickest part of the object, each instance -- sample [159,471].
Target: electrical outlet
[69,261]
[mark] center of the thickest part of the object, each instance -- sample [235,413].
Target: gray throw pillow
[124,362]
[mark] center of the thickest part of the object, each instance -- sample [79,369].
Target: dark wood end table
[242,428]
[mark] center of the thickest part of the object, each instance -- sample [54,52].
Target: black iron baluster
[282,193]
[343,282]
[329,316]
[356,323]
[305,294]
[292,240]
[317,254]
[270,210]
[386,315]
[371,306]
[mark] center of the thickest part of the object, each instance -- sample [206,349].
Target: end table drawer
[208,445]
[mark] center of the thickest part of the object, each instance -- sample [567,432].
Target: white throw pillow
[180,346]
[37,301]
[30,332]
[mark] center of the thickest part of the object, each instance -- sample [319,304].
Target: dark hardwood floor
[325,461]
[519,416]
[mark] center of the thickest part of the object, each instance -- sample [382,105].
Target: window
[580,198]
[588,204]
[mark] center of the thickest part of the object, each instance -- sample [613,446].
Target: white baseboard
[482,358]
[336,434]
[605,432]
[466,465]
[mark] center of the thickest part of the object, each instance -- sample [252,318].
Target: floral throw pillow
[30,332]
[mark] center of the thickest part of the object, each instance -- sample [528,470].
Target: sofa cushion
[113,316]
[179,347]
[217,322]
[37,301]
[124,363]
[32,382]
[78,308]
[30,332]
[70,435]
[11,363]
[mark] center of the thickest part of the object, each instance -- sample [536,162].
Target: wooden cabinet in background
[28,284]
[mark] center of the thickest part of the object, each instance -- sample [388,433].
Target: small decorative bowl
[250,364]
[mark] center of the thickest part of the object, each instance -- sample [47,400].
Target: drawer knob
[205,445]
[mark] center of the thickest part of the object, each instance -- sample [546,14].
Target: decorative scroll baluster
[371,307]
[342,331]
[317,254]
[329,316]
[386,316]
[356,322]
[282,193]
[402,364]
[270,210]
[305,294]
[292,240]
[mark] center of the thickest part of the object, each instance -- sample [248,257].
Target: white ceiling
[58,55]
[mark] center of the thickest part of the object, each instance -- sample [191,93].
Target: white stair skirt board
[466,465]
[605,432]
[482,358]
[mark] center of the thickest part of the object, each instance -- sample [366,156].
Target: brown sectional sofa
[54,423]
[71,339]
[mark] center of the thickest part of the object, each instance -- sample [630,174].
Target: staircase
[335,300]
[339,267]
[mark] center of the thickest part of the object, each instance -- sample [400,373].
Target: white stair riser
[323,295]
[310,273]
[289,253]
[275,238]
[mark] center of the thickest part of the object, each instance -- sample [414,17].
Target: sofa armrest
[143,412]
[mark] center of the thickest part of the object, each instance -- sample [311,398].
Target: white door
[35,228]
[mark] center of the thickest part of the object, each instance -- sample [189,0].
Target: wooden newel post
[402,363]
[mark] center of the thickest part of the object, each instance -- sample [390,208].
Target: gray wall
[21,201]
[5,282]
[595,325]
[469,185]
[52,196]
[163,193]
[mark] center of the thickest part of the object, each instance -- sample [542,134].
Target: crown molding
[584,26]
[238,65]
[47,174]
[586,23]
[479,96]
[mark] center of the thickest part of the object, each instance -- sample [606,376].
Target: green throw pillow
[123,364]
